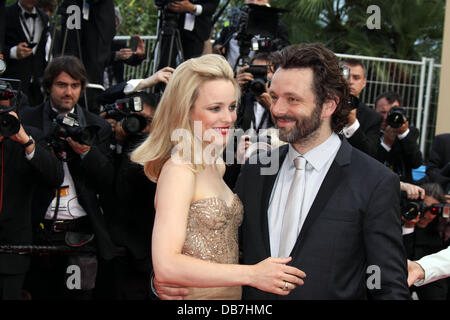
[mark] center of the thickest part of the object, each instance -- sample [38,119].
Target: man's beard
[304,128]
[63,108]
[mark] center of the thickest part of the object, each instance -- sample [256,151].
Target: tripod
[168,42]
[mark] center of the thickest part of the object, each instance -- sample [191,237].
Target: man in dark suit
[78,208]
[25,47]
[345,234]
[398,148]
[27,164]
[194,25]
[363,126]
[228,46]
[95,37]
[438,165]
[254,110]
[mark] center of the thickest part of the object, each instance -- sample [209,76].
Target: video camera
[9,125]
[258,85]
[396,117]
[65,126]
[253,20]
[126,111]
[410,209]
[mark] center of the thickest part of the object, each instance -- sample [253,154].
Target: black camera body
[258,85]
[396,117]
[126,112]
[65,126]
[410,209]
[9,125]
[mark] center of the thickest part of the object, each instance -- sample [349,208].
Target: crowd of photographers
[70,196]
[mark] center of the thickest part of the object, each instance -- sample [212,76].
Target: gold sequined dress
[212,235]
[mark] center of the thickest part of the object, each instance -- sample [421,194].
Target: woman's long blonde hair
[173,110]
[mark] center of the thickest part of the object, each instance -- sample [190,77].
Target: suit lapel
[332,179]
[18,24]
[268,183]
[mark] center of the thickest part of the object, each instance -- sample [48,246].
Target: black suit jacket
[34,65]
[134,214]
[203,22]
[115,68]
[404,156]
[367,137]
[246,113]
[438,165]
[93,175]
[354,223]
[96,36]
[21,178]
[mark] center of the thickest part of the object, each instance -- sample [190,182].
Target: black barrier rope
[22,249]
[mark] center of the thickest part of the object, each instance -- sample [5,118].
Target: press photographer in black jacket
[76,215]
[398,148]
[26,164]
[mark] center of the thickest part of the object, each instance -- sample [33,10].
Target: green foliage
[139,17]
[410,29]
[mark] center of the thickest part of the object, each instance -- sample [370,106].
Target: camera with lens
[396,117]
[258,86]
[126,111]
[9,125]
[410,209]
[68,126]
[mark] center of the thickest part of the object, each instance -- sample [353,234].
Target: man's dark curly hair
[329,83]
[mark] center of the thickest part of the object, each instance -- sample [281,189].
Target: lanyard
[27,31]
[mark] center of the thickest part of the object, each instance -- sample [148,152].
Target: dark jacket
[93,175]
[354,223]
[404,156]
[438,165]
[367,137]
[34,65]
[21,178]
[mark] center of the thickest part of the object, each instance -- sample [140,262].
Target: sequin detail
[212,230]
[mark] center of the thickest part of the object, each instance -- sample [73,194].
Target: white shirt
[319,161]
[436,266]
[258,111]
[69,207]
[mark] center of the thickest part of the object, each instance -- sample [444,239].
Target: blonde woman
[195,235]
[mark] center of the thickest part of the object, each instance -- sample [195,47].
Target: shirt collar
[318,156]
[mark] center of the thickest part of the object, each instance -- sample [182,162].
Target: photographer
[75,217]
[26,46]
[132,223]
[132,55]
[254,110]
[398,148]
[363,126]
[27,164]
[194,22]
[228,45]
[424,238]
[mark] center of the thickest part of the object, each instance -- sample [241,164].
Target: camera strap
[81,116]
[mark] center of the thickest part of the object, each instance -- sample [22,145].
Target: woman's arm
[174,195]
